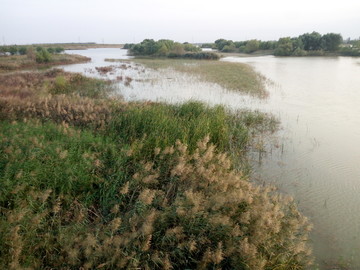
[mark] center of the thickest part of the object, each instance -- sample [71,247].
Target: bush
[350,51]
[59,50]
[43,56]
[22,50]
[197,56]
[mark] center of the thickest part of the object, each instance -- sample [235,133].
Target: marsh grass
[18,62]
[102,207]
[89,182]
[232,76]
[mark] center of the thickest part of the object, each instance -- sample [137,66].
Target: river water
[317,159]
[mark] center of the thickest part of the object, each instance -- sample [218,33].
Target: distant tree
[267,45]
[128,46]
[229,48]
[312,42]
[13,50]
[51,50]
[285,47]
[191,48]
[252,46]
[178,49]
[221,43]
[297,43]
[331,42]
[208,45]
[59,50]
[239,44]
[22,50]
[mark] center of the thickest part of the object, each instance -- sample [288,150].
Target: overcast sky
[118,21]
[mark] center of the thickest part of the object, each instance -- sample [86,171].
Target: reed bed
[90,182]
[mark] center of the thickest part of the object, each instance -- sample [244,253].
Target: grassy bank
[233,76]
[19,62]
[92,182]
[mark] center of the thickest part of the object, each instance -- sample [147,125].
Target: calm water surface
[318,101]
[317,159]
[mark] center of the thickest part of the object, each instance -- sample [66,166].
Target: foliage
[252,46]
[163,47]
[128,46]
[59,50]
[331,42]
[221,43]
[208,45]
[346,51]
[306,44]
[22,50]
[311,41]
[285,47]
[13,50]
[198,56]
[42,56]
[103,207]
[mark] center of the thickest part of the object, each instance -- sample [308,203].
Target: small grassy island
[29,57]
[93,182]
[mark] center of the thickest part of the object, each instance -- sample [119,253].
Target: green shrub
[81,85]
[59,50]
[22,50]
[42,56]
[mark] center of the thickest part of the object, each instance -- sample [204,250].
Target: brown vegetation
[18,62]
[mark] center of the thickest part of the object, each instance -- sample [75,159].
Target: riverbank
[20,62]
[95,182]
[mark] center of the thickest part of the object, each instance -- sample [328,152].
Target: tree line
[306,44]
[168,48]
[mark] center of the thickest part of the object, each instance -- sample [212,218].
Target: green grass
[72,199]
[233,76]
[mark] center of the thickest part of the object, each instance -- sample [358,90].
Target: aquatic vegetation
[94,182]
[102,206]
[233,76]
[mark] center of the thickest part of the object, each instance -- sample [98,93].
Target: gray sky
[111,21]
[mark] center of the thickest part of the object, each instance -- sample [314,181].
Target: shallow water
[317,157]
[318,101]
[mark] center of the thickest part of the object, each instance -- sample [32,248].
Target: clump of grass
[233,76]
[81,85]
[102,207]
[160,125]
[74,110]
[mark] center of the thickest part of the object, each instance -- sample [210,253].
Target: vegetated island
[90,181]
[30,56]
